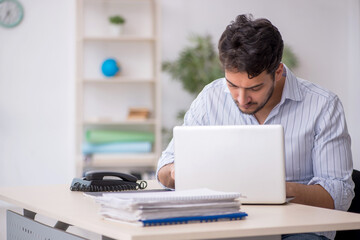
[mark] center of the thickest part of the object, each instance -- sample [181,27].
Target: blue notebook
[184,220]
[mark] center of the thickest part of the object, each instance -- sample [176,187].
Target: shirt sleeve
[332,159]
[196,115]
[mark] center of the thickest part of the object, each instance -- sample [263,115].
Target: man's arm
[313,195]
[166,175]
[331,154]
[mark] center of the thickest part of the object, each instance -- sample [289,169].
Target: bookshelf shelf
[121,160]
[104,103]
[125,122]
[118,80]
[120,39]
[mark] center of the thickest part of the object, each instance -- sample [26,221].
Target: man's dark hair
[251,46]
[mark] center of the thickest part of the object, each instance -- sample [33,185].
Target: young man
[259,89]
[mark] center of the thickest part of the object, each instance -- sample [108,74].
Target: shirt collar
[291,88]
[226,89]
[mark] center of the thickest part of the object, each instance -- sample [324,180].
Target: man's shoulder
[217,85]
[314,89]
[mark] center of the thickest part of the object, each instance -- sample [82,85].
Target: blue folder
[117,147]
[184,220]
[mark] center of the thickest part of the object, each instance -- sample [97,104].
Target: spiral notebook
[194,219]
[197,195]
[185,220]
[171,207]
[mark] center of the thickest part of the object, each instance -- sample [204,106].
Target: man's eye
[255,89]
[231,86]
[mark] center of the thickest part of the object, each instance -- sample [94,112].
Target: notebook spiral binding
[185,220]
[83,185]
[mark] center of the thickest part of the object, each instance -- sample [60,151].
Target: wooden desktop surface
[74,208]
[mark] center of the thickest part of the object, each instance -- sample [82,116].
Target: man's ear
[279,72]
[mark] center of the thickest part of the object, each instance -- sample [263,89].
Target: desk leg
[61,225]
[106,238]
[29,214]
[24,228]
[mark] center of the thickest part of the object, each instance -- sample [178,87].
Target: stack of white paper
[139,206]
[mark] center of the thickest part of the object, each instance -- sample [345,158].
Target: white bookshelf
[118,80]
[102,122]
[120,38]
[103,103]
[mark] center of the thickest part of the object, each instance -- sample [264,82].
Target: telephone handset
[98,181]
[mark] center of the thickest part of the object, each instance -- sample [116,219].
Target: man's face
[250,95]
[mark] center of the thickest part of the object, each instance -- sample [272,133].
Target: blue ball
[110,67]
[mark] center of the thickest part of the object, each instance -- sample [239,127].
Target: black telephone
[96,181]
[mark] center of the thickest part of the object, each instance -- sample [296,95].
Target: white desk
[59,203]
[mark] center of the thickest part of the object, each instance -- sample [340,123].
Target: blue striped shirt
[317,143]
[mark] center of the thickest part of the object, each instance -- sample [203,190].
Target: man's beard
[270,93]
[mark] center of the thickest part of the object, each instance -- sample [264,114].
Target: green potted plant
[289,58]
[197,65]
[116,24]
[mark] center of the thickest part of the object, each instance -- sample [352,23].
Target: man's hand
[313,195]
[166,175]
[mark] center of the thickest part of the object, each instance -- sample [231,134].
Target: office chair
[355,208]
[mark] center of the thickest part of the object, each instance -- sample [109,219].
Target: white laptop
[249,159]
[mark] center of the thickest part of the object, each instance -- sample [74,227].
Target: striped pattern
[317,143]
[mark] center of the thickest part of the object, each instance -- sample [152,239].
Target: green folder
[105,136]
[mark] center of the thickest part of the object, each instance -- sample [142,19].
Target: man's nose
[242,97]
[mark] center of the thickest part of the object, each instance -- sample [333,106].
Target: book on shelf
[117,147]
[115,141]
[96,136]
[171,207]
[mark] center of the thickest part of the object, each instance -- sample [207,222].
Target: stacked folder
[171,207]
[105,141]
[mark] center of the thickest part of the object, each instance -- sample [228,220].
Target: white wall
[353,49]
[37,71]
[36,95]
